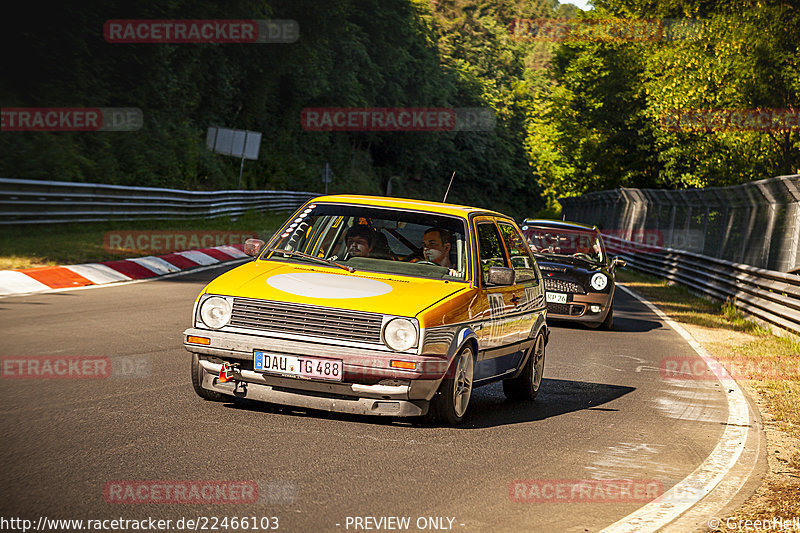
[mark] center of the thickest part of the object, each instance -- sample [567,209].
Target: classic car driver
[436,247]
[360,240]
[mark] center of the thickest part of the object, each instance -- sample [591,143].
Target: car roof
[407,203]
[562,224]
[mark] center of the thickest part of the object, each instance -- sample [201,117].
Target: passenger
[360,240]
[436,247]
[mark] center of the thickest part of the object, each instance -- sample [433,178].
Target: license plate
[304,367]
[556,297]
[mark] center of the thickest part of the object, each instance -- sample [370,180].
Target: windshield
[579,244]
[376,239]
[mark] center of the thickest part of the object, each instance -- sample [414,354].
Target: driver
[360,240]
[436,247]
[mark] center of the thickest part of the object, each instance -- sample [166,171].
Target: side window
[521,259]
[490,248]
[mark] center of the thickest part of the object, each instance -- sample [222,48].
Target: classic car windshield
[381,240]
[580,244]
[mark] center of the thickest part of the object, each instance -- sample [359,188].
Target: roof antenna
[448,187]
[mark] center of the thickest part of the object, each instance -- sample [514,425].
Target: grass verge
[28,246]
[766,365]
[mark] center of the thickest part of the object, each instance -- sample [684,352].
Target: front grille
[557,309]
[309,320]
[560,285]
[565,309]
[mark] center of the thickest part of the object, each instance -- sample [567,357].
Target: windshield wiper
[567,256]
[294,253]
[588,258]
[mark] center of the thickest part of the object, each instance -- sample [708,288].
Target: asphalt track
[605,412]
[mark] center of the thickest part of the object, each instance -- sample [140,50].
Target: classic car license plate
[305,367]
[557,297]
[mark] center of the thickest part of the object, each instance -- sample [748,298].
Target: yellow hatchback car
[377,306]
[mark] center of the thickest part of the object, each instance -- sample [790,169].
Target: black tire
[526,386]
[608,323]
[450,403]
[197,380]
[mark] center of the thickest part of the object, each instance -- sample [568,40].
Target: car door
[498,336]
[529,296]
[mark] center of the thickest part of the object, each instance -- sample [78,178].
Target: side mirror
[500,276]
[617,262]
[252,247]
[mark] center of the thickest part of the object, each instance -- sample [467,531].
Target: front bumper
[385,400]
[578,308]
[369,384]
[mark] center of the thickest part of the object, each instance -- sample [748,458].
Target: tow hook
[226,372]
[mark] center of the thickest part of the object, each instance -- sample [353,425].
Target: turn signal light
[198,340]
[405,365]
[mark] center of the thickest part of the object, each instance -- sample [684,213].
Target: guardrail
[48,202]
[769,295]
[756,223]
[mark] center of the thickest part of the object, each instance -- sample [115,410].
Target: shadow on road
[488,406]
[622,324]
[628,324]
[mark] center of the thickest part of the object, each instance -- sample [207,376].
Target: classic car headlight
[215,312]
[400,334]
[599,281]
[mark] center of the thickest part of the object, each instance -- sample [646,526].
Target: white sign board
[211,138]
[252,145]
[235,143]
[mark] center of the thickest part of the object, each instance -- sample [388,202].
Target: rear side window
[521,258]
[490,248]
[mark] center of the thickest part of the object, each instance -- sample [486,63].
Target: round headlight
[215,312]
[599,281]
[400,334]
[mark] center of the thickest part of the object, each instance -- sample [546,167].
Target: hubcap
[462,383]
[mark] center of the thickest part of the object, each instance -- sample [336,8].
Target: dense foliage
[571,117]
[351,53]
[604,121]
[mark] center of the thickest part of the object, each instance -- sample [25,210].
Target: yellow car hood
[333,287]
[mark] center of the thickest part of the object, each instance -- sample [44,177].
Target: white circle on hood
[318,285]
